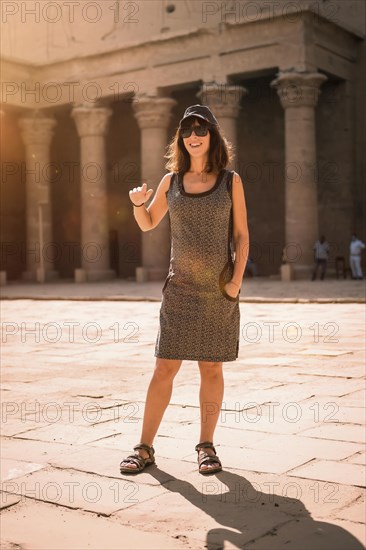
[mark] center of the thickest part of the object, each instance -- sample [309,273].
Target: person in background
[321,253]
[251,267]
[355,249]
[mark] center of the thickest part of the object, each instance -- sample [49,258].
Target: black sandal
[140,462]
[207,459]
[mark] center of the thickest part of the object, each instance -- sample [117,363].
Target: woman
[199,314]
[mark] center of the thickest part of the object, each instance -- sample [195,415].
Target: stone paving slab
[33,450]
[353,399]
[320,408]
[325,408]
[319,403]
[292,475]
[66,529]
[288,393]
[355,512]
[319,448]
[307,369]
[69,433]
[305,533]
[339,432]
[323,351]
[330,386]
[90,414]
[7,500]
[80,490]
[16,426]
[167,447]
[105,462]
[358,458]
[328,470]
[11,469]
[286,420]
[268,462]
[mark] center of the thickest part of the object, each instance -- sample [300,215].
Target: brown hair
[219,155]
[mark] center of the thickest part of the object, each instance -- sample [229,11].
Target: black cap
[199,111]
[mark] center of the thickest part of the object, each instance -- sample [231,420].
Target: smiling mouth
[195,145]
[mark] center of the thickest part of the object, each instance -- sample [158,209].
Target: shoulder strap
[172,177]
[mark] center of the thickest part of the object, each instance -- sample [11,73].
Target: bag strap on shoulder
[229,181]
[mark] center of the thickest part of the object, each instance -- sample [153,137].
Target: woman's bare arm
[148,218]
[240,229]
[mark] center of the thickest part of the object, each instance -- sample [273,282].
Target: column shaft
[299,93]
[300,173]
[153,115]
[92,125]
[37,132]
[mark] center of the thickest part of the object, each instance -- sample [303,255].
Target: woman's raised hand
[139,195]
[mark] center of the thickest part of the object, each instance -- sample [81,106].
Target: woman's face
[197,146]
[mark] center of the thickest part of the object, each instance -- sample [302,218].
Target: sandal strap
[135,459]
[208,459]
[146,448]
[205,445]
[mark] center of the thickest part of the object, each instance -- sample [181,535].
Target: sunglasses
[200,131]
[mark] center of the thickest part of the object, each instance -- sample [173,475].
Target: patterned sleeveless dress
[198,320]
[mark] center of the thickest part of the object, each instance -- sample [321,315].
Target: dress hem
[185,358]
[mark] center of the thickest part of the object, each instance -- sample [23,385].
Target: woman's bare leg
[157,399]
[211,395]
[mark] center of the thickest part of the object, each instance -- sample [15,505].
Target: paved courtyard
[291,432]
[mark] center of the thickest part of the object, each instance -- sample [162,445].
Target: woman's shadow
[256,520]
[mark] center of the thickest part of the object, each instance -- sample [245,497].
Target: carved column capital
[153,112]
[223,99]
[297,89]
[90,120]
[37,129]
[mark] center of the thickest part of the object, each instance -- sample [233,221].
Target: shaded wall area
[335,172]
[12,198]
[184,97]
[123,174]
[260,163]
[65,194]
[359,185]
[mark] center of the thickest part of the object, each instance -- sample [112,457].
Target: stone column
[298,93]
[224,101]
[92,123]
[37,131]
[153,115]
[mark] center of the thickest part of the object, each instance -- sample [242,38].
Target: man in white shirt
[355,249]
[321,252]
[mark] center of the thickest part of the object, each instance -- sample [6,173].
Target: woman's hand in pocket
[231,289]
